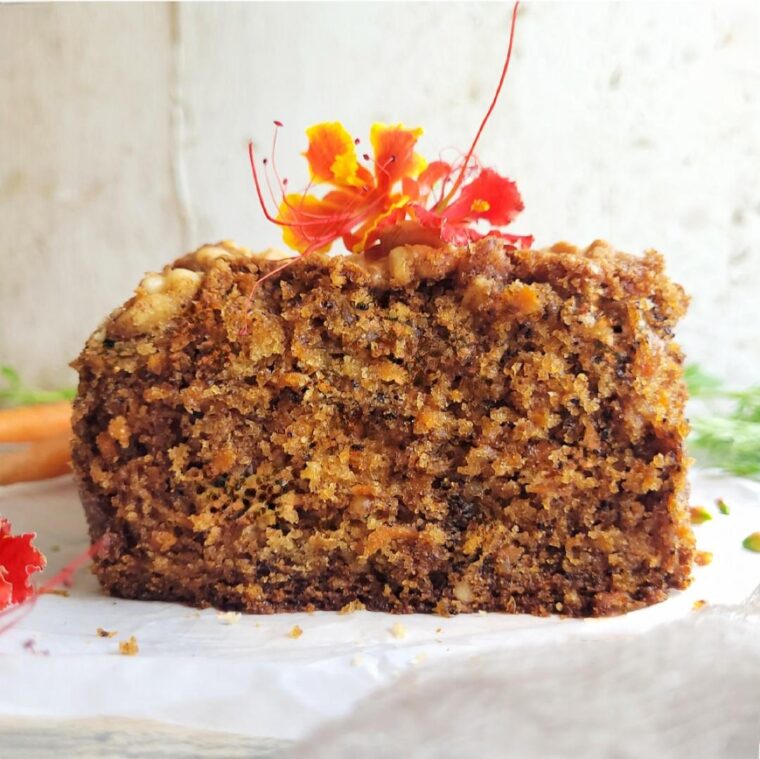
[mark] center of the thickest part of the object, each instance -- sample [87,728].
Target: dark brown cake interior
[442,430]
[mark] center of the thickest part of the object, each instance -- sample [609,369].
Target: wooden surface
[29,738]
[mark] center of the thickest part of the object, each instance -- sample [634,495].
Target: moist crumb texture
[441,430]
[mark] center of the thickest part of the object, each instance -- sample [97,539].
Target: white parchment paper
[251,677]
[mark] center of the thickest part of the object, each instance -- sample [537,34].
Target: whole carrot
[29,423]
[41,460]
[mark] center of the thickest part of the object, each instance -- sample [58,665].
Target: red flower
[19,559]
[393,198]
[489,197]
[396,200]
[358,199]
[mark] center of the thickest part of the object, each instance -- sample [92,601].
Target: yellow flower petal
[307,219]
[332,155]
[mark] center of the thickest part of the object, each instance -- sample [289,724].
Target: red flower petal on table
[489,196]
[19,559]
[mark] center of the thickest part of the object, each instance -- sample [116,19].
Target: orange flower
[359,198]
[394,197]
[364,207]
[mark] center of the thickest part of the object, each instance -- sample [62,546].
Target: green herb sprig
[13,391]
[728,435]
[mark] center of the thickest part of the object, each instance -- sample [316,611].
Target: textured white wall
[123,132]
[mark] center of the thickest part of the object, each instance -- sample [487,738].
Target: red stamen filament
[460,178]
[337,225]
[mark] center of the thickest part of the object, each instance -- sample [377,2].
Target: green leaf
[15,393]
[728,435]
[701,384]
[728,443]
[748,404]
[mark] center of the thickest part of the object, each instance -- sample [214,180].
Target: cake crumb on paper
[129,647]
[106,633]
[703,558]
[699,604]
[295,632]
[228,617]
[398,631]
[352,606]
[56,592]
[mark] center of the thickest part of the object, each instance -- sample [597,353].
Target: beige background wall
[123,131]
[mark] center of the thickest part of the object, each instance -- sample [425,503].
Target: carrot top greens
[13,391]
[728,434]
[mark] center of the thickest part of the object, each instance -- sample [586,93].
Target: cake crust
[440,430]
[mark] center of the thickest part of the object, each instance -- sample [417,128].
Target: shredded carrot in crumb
[228,617]
[129,647]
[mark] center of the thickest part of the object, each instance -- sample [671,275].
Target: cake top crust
[485,266]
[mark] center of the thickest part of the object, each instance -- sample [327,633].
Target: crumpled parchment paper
[249,676]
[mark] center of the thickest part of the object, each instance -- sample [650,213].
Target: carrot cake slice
[438,428]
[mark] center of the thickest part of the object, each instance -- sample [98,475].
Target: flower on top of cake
[393,197]
[390,198]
